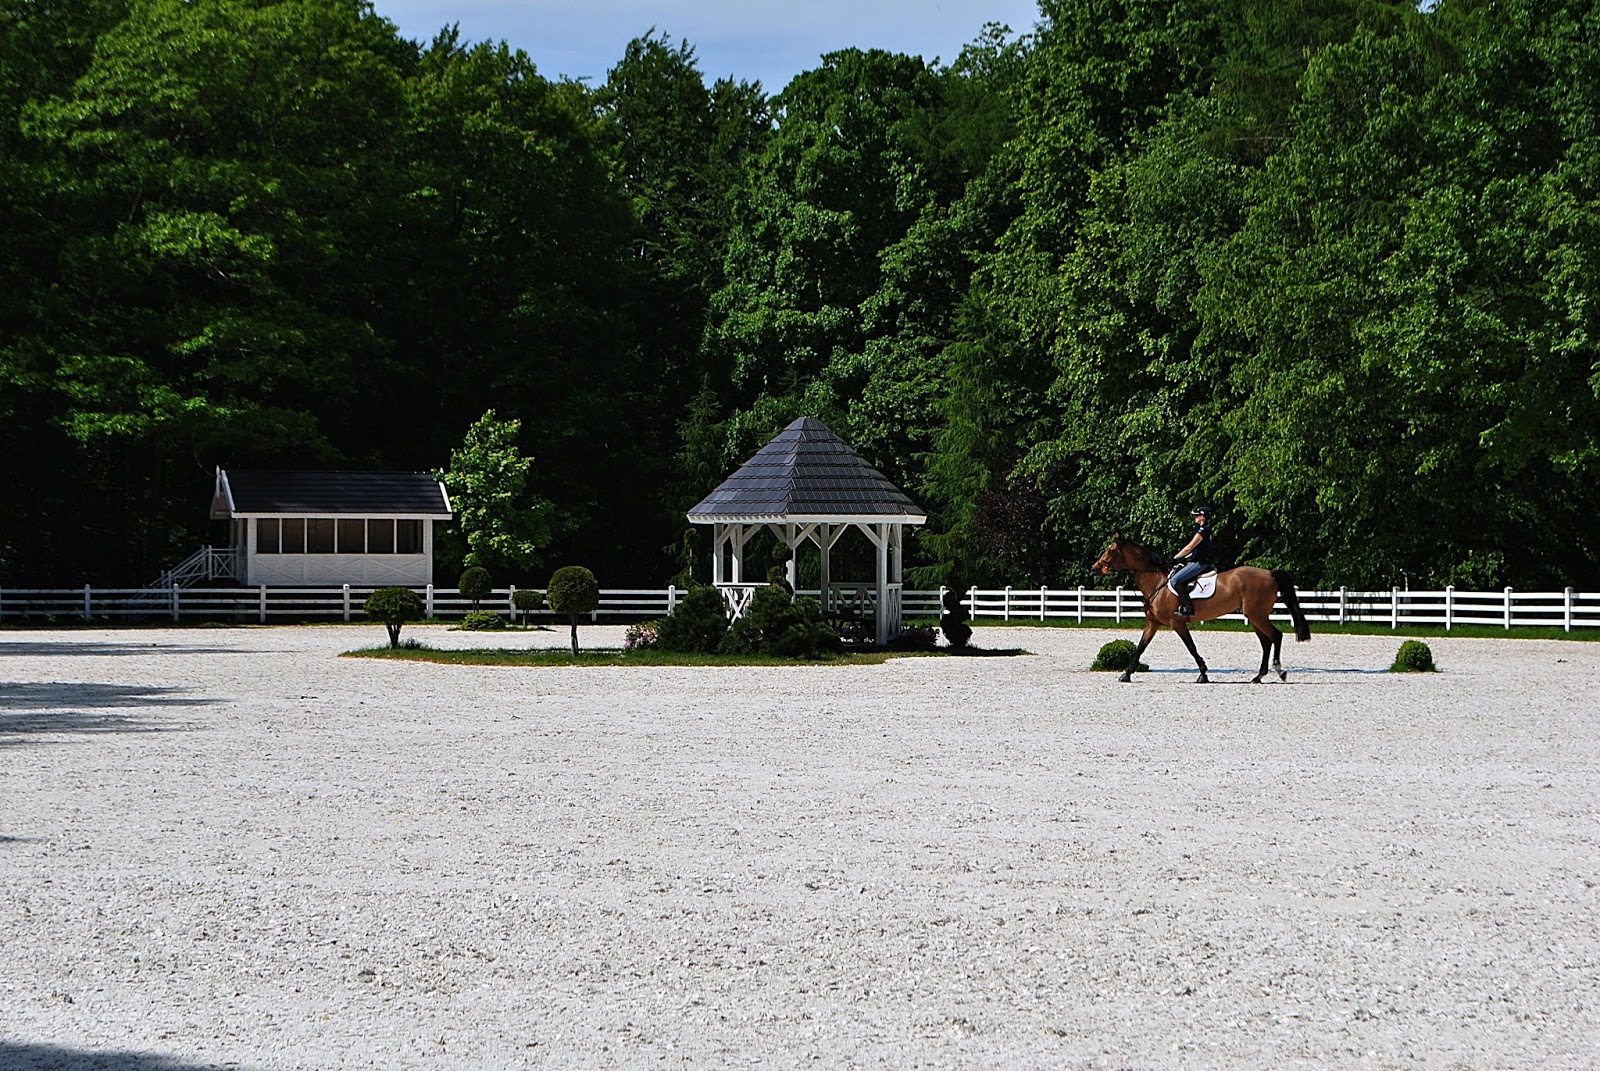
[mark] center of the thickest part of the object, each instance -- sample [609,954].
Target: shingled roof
[364,494]
[806,473]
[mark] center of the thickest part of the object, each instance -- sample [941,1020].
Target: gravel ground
[231,848]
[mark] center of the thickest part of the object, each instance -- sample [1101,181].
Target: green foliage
[483,621]
[1414,656]
[495,516]
[697,624]
[395,607]
[778,624]
[475,583]
[526,601]
[573,592]
[1117,655]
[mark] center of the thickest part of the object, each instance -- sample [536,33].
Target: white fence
[1394,608]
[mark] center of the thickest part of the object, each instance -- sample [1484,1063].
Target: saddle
[1205,585]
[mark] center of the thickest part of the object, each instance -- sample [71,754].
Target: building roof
[247,492]
[806,473]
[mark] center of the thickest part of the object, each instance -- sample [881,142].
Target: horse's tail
[1291,599]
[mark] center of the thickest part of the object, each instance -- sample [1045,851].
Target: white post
[1394,608]
[347,602]
[511,601]
[1044,600]
[825,545]
[1119,604]
[1344,602]
[428,603]
[1006,612]
[882,609]
[1567,616]
[1508,607]
[86,600]
[1449,606]
[1080,604]
[672,599]
[972,602]
[263,603]
[3,603]
[177,608]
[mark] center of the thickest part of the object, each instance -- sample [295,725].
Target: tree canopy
[1326,265]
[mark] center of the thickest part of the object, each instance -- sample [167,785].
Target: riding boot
[1185,604]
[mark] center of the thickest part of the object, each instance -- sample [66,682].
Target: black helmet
[1201,511]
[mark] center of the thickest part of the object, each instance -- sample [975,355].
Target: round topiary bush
[1413,657]
[527,600]
[475,583]
[483,621]
[697,624]
[1117,656]
[953,622]
[394,607]
[572,593]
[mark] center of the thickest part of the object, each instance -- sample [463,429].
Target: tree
[475,583]
[496,518]
[573,591]
[395,607]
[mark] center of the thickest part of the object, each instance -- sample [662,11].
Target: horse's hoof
[1202,679]
[1256,679]
[1283,675]
[1126,678]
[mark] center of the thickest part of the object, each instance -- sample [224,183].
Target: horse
[1245,588]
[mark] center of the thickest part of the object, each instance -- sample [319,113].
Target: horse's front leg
[1150,628]
[1188,641]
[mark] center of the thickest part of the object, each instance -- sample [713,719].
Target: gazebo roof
[806,474]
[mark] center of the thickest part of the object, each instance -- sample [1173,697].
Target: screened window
[268,536]
[352,536]
[380,537]
[319,535]
[408,537]
[294,535]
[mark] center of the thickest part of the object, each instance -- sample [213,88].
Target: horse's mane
[1158,559]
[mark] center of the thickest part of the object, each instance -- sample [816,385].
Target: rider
[1192,560]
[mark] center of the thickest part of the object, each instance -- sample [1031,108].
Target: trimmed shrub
[1117,655]
[697,624]
[1414,656]
[483,621]
[395,607]
[527,600]
[780,625]
[475,583]
[953,622]
[573,592]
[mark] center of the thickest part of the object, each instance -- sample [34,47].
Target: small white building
[321,528]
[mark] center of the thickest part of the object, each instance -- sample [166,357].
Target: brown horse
[1247,589]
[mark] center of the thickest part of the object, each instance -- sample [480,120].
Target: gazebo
[807,485]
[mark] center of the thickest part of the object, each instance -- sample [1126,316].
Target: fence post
[511,602]
[972,600]
[1508,608]
[86,600]
[1449,606]
[1044,600]
[1080,604]
[1119,604]
[428,603]
[672,599]
[1567,616]
[3,603]
[1394,608]
[1007,612]
[263,603]
[177,602]
[1344,602]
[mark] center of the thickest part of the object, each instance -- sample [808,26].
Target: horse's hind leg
[1266,652]
[1277,652]
[1188,641]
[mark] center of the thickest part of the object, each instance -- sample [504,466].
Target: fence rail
[1396,608]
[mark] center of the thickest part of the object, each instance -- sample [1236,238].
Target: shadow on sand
[23,1056]
[100,649]
[36,708]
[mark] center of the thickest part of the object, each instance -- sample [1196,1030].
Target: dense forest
[1329,266]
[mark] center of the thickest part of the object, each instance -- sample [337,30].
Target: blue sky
[749,40]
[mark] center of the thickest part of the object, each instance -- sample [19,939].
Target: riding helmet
[1201,511]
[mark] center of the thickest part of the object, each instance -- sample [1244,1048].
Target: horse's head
[1112,559]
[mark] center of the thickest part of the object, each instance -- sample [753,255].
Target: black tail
[1302,628]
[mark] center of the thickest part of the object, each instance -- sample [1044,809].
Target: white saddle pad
[1205,586]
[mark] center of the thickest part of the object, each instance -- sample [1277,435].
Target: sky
[747,40]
